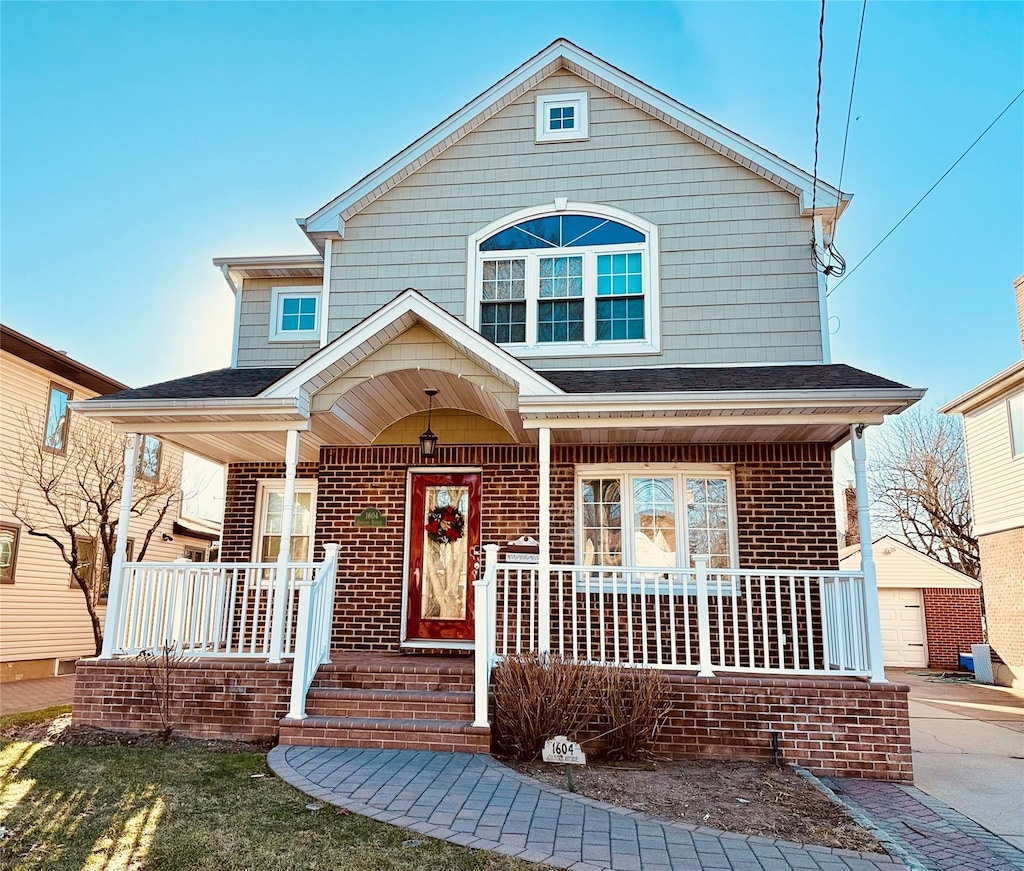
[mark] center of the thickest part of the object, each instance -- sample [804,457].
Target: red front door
[444,534]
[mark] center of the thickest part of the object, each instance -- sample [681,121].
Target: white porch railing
[208,609]
[313,629]
[709,620]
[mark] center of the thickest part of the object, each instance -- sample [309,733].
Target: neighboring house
[993,414]
[575,310]
[44,626]
[930,613]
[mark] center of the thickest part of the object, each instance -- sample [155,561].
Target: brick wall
[237,700]
[835,727]
[952,624]
[1002,576]
[784,502]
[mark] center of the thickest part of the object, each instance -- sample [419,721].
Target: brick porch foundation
[842,727]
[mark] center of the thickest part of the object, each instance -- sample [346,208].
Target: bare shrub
[537,697]
[636,704]
[157,667]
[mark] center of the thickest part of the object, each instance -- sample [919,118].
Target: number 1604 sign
[562,751]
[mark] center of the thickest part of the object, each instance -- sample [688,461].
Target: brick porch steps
[386,734]
[411,704]
[391,702]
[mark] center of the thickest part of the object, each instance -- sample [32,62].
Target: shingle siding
[736,282]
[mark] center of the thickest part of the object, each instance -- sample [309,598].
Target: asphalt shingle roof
[219,384]
[680,379]
[234,383]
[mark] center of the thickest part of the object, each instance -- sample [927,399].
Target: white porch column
[113,622]
[544,562]
[867,560]
[291,461]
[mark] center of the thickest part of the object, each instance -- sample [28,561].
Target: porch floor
[477,802]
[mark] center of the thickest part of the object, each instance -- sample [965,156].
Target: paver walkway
[477,802]
[927,833]
[34,695]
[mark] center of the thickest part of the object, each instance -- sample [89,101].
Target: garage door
[902,618]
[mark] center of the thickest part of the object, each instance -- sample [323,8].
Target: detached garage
[929,611]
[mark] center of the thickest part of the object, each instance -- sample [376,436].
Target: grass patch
[128,809]
[28,718]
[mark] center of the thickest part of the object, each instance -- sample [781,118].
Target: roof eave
[993,388]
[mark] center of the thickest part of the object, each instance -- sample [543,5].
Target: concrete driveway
[968,744]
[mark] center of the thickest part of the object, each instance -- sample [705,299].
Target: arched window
[563,282]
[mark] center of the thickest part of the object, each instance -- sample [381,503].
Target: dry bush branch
[636,704]
[537,697]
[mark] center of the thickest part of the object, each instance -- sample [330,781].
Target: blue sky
[142,139]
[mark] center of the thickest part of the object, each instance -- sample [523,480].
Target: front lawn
[119,808]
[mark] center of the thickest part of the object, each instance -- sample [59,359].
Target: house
[44,624]
[929,611]
[576,310]
[993,416]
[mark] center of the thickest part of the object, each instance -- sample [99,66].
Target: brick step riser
[384,739]
[389,710]
[414,682]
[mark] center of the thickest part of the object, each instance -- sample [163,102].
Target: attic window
[295,314]
[562,117]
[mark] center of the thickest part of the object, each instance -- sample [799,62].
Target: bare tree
[919,487]
[72,498]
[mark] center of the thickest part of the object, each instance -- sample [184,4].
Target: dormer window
[295,314]
[562,117]
[562,284]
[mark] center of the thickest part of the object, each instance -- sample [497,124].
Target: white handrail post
[703,617]
[279,606]
[331,562]
[483,590]
[113,626]
[867,561]
[297,704]
[544,559]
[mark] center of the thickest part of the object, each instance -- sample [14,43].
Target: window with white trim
[294,314]
[567,284]
[271,514]
[149,458]
[1015,408]
[562,117]
[655,517]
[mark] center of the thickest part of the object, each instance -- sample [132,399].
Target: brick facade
[1002,576]
[952,624]
[232,699]
[784,503]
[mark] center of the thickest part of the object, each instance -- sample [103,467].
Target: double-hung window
[656,518]
[567,284]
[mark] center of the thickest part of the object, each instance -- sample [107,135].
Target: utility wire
[927,192]
[849,108]
[817,120]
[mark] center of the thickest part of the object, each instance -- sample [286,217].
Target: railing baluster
[734,580]
[721,620]
[793,622]
[809,610]
[629,577]
[670,579]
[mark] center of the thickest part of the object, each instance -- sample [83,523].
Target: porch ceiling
[362,412]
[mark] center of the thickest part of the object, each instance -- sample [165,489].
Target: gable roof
[938,571]
[562,54]
[410,306]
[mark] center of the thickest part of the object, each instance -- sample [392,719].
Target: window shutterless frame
[295,314]
[150,457]
[679,475]
[56,424]
[519,323]
[10,536]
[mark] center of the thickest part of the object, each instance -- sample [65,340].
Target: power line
[817,119]
[849,108]
[927,192]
